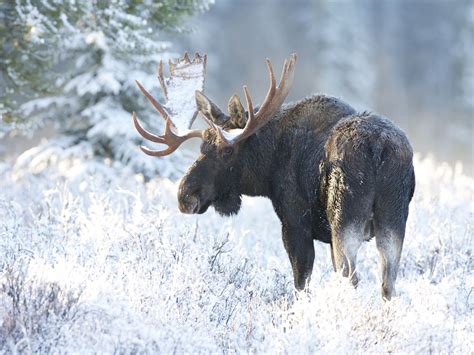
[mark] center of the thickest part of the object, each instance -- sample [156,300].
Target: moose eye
[227,151]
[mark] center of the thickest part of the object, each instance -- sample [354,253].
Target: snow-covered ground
[95,259]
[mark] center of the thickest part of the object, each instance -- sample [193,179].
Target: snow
[41,104]
[94,53]
[94,259]
[232,134]
[181,86]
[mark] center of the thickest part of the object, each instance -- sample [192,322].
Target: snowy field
[95,259]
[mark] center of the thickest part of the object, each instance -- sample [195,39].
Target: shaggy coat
[332,174]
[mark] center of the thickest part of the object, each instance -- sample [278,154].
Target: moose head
[216,177]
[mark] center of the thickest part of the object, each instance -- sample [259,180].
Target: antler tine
[168,139]
[144,133]
[155,103]
[186,58]
[157,153]
[276,95]
[271,104]
[284,74]
[171,65]
[271,90]
[251,121]
[171,147]
[172,140]
[248,98]
[274,98]
[162,80]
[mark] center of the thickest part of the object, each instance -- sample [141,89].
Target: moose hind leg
[389,243]
[390,216]
[349,201]
[344,246]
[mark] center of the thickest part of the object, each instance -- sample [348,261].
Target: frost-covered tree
[74,63]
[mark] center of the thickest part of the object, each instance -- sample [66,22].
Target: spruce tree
[73,63]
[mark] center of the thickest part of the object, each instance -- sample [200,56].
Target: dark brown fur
[332,175]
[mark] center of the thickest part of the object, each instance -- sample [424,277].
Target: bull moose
[332,174]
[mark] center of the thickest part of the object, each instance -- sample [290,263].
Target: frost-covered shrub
[36,310]
[141,277]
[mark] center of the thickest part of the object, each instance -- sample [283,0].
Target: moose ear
[210,109]
[237,112]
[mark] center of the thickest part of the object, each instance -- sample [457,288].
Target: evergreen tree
[74,63]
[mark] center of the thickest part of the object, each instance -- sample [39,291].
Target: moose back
[332,174]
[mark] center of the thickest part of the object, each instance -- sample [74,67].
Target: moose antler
[274,99]
[186,76]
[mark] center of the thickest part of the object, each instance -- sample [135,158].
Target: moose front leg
[299,246]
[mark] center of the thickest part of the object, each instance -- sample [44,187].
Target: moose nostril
[189,200]
[189,204]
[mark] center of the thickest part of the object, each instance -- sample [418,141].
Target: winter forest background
[94,255]
[412,61]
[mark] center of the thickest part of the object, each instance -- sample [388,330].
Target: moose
[331,173]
